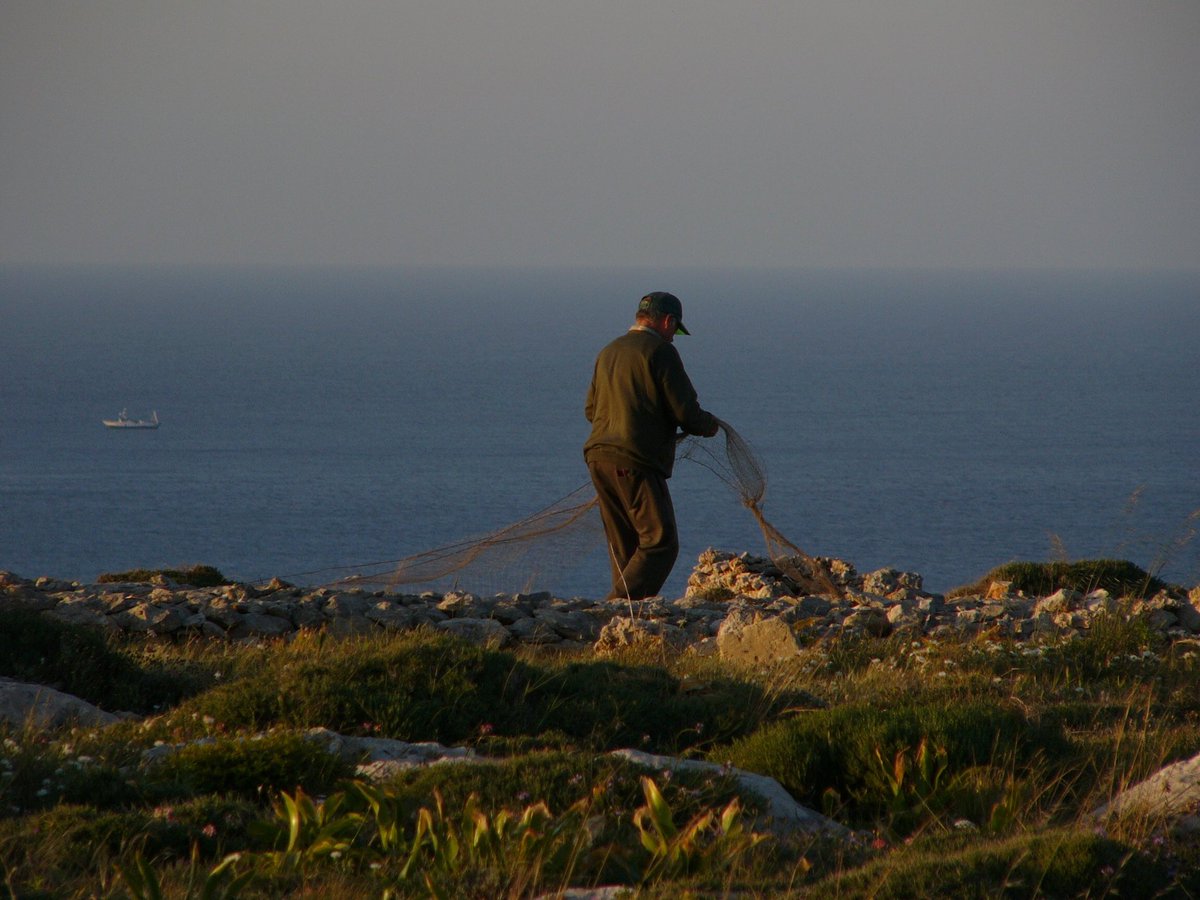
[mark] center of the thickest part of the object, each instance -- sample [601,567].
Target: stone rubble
[739,605]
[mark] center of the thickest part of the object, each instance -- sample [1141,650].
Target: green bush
[1113,645]
[850,749]
[422,686]
[610,705]
[62,851]
[1056,863]
[418,687]
[1119,577]
[79,661]
[252,767]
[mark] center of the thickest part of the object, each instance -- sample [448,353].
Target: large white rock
[757,641]
[1172,793]
[784,814]
[623,632]
[45,708]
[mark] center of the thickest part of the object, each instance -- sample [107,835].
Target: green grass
[80,661]
[1119,577]
[967,767]
[1070,862]
[427,686]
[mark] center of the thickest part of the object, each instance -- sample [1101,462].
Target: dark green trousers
[639,521]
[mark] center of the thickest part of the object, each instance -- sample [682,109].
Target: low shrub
[422,686]
[195,576]
[51,853]
[36,775]
[1054,863]
[1119,577]
[860,755]
[1113,645]
[417,687]
[80,661]
[249,767]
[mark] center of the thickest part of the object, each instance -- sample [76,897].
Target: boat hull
[123,421]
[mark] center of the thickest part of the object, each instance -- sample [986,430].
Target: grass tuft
[1119,577]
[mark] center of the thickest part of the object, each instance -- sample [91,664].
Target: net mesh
[534,550]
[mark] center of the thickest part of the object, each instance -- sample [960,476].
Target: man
[639,399]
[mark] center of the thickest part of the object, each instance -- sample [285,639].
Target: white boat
[123,421]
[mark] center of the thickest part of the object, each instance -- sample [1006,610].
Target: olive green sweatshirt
[639,399]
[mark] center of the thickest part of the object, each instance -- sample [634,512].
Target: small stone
[256,625]
[534,631]
[487,632]
[998,590]
[623,632]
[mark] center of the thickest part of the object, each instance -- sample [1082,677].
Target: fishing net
[530,553]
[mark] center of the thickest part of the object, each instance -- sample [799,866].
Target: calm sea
[314,419]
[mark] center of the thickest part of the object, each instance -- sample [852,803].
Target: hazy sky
[1032,133]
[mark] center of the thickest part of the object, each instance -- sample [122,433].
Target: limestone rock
[461,605]
[487,632]
[1172,792]
[43,707]
[81,613]
[254,625]
[572,625]
[623,632]
[1061,601]
[1189,615]
[345,605]
[783,813]
[998,590]
[391,615]
[534,631]
[887,581]
[756,642]
[148,617]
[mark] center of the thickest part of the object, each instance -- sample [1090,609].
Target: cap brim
[679,329]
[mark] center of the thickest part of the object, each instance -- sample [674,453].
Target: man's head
[663,312]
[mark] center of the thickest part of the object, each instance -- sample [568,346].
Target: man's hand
[715,428]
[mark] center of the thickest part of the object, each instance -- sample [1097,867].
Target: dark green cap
[660,303]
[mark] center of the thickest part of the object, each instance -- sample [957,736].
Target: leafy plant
[219,883]
[914,783]
[709,841]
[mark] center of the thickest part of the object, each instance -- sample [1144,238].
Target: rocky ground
[737,605]
[742,607]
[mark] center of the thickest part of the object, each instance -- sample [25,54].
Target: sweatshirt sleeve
[678,393]
[589,405]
